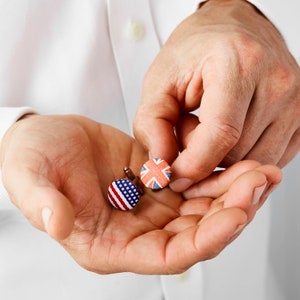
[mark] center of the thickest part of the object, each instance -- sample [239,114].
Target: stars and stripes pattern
[156,174]
[123,194]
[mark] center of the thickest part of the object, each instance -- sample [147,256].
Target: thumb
[54,213]
[208,145]
[41,203]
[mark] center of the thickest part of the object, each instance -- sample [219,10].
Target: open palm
[64,164]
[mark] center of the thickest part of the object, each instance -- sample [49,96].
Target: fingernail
[181,184]
[238,230]
[271,189]
[46,214]
[258,193]
[268,191]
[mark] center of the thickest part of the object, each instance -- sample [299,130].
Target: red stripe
[111,198]
[119,198]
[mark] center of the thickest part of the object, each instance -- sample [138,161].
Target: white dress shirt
[90,57]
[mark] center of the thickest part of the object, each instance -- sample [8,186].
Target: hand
[61,167]
[230,62]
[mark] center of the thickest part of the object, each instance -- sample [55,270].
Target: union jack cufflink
[125,193]
[156,174]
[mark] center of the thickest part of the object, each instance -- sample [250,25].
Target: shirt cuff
[266,11]
[259,4]
[9,115]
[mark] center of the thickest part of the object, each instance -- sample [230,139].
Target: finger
[222,113]
[219,182]
[204,241]
[174,253]
[185,128]
[182,223]
[274,177]
[257,121]
[154,125]
[248,192]
[272,173]
[243,193]
[291,150]
[41,203]
[196,206]
[264,150]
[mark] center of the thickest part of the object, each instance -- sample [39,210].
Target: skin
[64,165]
[228,61]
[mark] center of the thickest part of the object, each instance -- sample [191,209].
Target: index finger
[222,113]
[154,125]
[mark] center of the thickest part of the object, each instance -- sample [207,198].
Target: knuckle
[284,83]
[250,51]
[227,134]
[266,156]
[231,158]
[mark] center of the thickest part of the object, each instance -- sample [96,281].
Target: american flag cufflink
[125,193]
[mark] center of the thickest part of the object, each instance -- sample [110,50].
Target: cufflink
[125,193]
[156,174]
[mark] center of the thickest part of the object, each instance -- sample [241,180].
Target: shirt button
[135,30]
